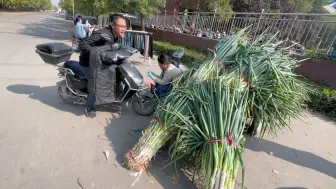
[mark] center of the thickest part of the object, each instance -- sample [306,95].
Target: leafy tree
[66,5]
[93,7]
[88,7]
[218,5]
[300,5]
[45,4]
[26,4]
[144,8]
[84,7]
[289,6]
[101,7]
[318,6]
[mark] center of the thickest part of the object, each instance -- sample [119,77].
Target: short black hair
[164,59]
[115,17]
[77,19]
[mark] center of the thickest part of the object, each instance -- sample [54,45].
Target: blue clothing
[334,53]
[90,100]
[80,31]
[160,90]
[79,70]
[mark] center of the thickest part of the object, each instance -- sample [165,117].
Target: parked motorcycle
[73,87]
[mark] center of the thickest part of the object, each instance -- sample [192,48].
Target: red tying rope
[228,140]
[192,73]
[162,124]
[139,164]
[246,81]
[218,62]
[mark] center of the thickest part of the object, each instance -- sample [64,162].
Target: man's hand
[110,58]
[150,74]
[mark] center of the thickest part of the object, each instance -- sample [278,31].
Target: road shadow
[46,95]
[119,131]
[298,157]
[325,118]
[53,28]
[291,188]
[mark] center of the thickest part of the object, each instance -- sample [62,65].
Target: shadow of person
[298,157]
[47,95]
[119,131]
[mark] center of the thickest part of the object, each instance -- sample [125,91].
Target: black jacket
[101,77]
[101,37]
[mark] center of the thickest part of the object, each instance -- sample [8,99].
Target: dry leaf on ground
[275,171]
[150,181]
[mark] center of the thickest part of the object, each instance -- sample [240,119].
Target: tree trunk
[142,23]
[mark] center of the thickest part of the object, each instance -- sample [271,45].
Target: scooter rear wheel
[143,106]
[69,98]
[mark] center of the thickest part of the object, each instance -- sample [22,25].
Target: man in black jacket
[105,36]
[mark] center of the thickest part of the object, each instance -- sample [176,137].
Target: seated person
[80,31]
[88,29]
[169,72]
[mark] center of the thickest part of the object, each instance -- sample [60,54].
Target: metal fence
[316,32]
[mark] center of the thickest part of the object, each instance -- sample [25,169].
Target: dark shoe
[117,106]
[90,112]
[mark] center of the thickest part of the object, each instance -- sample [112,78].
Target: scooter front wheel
[143,105]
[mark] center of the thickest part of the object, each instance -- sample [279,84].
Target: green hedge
[190,57]
[324,101]
[319,56]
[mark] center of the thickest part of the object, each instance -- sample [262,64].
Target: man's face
[119,27]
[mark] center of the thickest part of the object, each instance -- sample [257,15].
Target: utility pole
[73,8]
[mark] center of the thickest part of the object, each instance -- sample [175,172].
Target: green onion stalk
[214,129]
[160,130]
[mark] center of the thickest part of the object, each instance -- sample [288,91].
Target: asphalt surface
[45,143]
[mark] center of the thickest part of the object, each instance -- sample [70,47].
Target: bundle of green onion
[214,130]
[207,108]
[161,129]
[276,93]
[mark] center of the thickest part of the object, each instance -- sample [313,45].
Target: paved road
[45,143]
